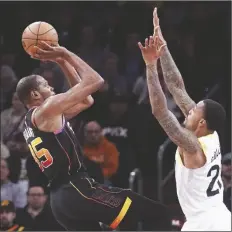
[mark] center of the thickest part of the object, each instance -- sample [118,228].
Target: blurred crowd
[118,133]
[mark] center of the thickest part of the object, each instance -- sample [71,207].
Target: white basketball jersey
[201,190]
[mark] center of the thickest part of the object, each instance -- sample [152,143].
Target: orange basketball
[36,32]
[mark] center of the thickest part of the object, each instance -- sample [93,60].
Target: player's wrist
[65,53]
[151,63]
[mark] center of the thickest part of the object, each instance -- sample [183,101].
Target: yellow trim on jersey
[122,214]
[21,228]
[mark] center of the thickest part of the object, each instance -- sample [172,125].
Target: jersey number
[41,153]
[210,192]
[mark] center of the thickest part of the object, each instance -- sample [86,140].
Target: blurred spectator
[5,153]
[226,177]
[10,191]
[98,149]
[51,72]
[111,32]
[11,132]
[140,89]
[11,123]
[114,82]
[132,58]
[116,126]
[8,58]
[37,215]
[7,217]
[64,21]
[8,83]
[89,50]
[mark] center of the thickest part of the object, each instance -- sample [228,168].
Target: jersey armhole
[61,129]
[204,150]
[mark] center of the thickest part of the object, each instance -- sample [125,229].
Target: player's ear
[35,94]
[202,122]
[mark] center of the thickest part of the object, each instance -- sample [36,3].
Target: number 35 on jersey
[42,156]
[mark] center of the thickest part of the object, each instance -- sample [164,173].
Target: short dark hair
[25,86]
[215,115]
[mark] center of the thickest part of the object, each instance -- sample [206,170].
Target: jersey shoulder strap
[29,118]
[209,143]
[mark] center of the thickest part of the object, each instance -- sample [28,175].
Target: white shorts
[209,221]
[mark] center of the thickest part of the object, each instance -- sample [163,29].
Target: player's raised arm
[73,79]
[171,73]
[61,103]
[179,135]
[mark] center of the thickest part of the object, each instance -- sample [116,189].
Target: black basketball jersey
[58,154]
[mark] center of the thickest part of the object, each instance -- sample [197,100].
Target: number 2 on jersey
[38,154]
[210,192]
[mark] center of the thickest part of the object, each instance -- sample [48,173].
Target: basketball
[37,32]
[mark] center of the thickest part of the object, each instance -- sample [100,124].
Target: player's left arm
[74,78]
[179,135]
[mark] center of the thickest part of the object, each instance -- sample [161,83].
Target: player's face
[194,117]
[6,218]
[44,88]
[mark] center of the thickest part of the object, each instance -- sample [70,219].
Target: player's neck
[203,132]
[35,104]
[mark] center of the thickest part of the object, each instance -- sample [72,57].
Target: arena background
[105,35]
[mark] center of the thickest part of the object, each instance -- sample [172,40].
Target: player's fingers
[46,46]
[156,31]
[140,46]
[146,42]
[151,41]
[39,50]
[155,18]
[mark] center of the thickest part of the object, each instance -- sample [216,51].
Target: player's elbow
[100,82]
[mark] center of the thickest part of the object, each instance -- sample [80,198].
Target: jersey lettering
[42,156]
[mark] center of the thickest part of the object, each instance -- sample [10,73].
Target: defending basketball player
[77,201]
[198,156]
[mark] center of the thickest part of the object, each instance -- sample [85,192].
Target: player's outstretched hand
[157,31]
[151,51]
[51,53]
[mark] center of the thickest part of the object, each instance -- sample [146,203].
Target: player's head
[207,115]
[7,213]
[33,90]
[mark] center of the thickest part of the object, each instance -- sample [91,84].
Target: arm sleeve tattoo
[175,83]
[179,135]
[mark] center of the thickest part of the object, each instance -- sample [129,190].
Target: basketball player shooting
[77,201]
[198,156]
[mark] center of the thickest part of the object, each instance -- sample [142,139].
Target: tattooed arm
[175,83]
[179,135]
[172,76]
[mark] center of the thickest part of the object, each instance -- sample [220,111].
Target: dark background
[198,35]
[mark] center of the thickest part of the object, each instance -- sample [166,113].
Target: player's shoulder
[209,141]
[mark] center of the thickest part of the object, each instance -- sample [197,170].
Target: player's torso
[200,190]
[57,154]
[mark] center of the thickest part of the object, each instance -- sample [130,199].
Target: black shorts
[82,203]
